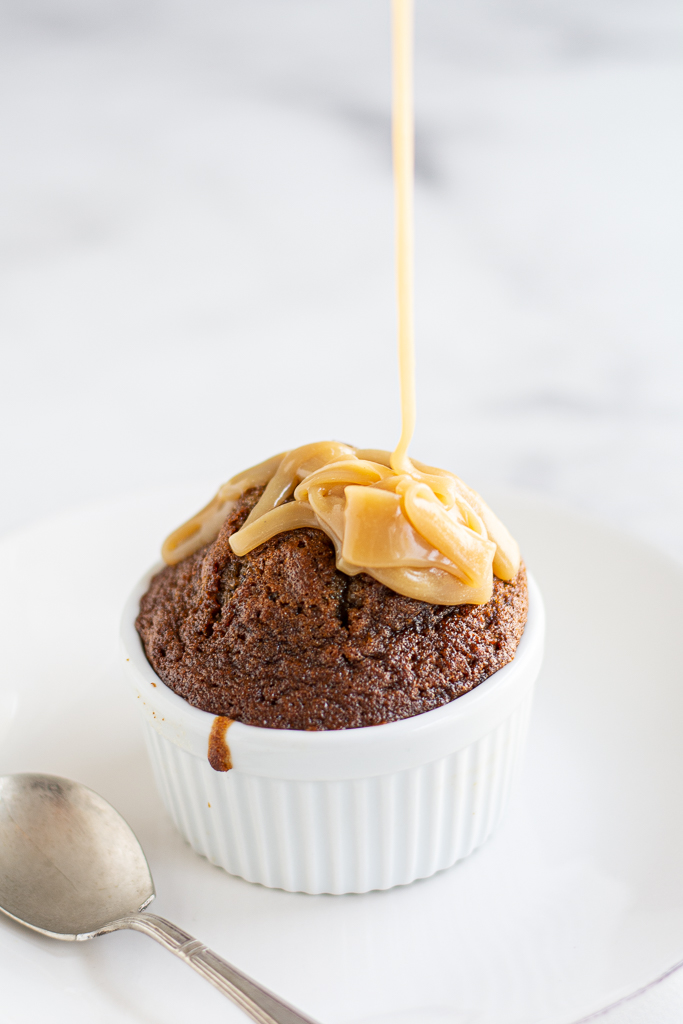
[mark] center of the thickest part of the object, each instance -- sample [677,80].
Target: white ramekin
[348,810]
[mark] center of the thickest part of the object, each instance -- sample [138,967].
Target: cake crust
[280,638]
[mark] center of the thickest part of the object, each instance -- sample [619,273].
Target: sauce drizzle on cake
[417,529]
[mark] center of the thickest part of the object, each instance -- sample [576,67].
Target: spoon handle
[257,1002]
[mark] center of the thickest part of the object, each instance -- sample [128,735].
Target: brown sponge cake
[281,638]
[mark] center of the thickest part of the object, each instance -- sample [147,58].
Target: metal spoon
[72,868]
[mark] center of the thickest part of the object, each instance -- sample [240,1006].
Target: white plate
[577,900]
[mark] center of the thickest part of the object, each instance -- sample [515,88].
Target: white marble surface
[196,255]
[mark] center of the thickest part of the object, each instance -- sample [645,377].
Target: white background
[196,254]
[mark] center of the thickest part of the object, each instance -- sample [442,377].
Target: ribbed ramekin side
[513,755]
[347,835]
[161,755]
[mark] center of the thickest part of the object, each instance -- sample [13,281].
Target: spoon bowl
[70,864]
